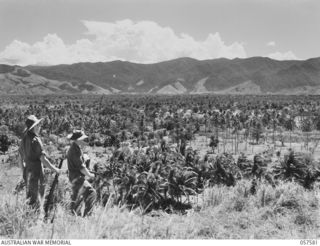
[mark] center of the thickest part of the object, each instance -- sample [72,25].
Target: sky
[50,32]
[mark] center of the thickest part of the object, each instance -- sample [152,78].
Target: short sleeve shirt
[31,150]
[75,161]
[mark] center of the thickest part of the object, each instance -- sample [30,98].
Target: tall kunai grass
[285,212]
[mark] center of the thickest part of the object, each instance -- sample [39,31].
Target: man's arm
[86,172]
[48,164]
[21,162]
[38,149]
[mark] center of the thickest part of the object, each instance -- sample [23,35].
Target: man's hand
[87,173]
[91,175]
[58,171]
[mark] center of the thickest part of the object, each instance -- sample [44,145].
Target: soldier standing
[32,156]
[82,191]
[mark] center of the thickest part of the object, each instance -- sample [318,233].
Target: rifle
[49,200]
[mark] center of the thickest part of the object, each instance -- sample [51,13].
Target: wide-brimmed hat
[77,135]
[32,121]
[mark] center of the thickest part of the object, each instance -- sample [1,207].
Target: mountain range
[255,75]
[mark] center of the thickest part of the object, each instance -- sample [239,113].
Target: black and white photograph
[159,120]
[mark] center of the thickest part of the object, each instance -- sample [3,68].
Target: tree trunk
[225,140]
[290,138]
[246,146]
[237,142]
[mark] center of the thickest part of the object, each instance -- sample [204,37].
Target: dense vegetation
[142,146]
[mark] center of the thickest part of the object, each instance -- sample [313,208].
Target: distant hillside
[19,81]
[256,75]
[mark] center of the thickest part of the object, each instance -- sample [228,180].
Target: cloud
[271,43]
[289,55]
[142,41]
[49,51]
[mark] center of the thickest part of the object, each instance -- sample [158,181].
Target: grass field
[285,212]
